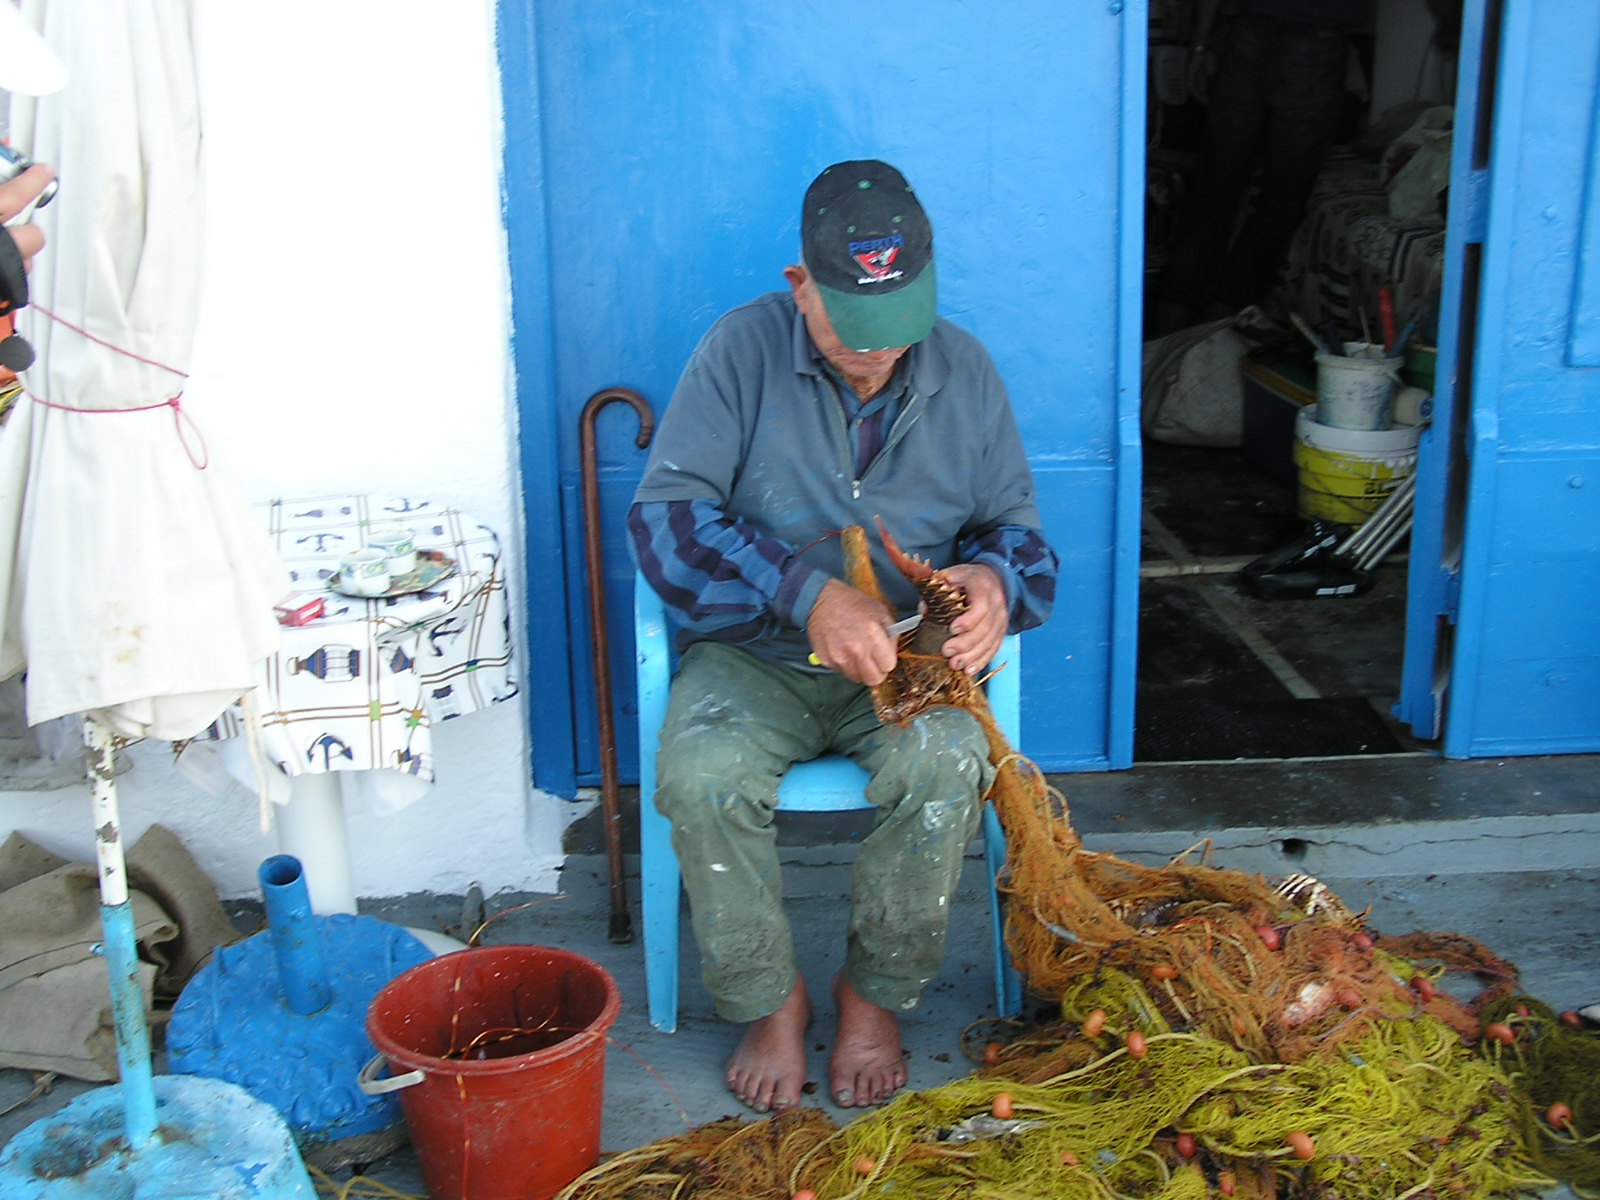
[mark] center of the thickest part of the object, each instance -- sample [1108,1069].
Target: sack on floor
[1193,393]
[55,1005]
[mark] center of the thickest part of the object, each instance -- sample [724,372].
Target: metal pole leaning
[1379,530]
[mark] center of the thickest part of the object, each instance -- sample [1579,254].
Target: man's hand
[846,628]
[975,635]
[15,195]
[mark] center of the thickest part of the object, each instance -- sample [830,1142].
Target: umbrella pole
[120,947]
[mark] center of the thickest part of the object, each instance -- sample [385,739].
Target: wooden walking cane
[621,929]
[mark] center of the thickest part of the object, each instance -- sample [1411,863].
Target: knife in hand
[893,631]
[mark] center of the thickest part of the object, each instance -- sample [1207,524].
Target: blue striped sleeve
[1026,565]
[718,575]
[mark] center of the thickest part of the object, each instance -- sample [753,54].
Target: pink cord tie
[182,421]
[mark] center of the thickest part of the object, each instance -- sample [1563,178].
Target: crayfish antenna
[915,569]
[945,598]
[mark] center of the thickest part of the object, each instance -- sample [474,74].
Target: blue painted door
[655,158]
[1503,648]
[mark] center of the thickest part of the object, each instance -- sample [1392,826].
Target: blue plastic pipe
[302,975]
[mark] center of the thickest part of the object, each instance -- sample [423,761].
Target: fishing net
[1276,969]
[730,1159]
[1404,1109]
[1403,1106]
[1213,1032]
[1555,1063]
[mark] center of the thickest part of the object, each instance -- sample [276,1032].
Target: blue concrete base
[232,1022]
[213,1141]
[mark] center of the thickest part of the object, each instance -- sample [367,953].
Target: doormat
[1197,729]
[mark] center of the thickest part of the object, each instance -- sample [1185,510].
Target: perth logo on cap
[876,256]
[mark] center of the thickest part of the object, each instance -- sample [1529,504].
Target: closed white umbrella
[137,585]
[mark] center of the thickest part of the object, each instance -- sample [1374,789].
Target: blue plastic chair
[829,784]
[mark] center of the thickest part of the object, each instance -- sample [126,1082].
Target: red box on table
[300,608]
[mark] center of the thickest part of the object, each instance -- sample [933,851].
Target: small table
[360,688]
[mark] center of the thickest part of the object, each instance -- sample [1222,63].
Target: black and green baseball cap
[869,247]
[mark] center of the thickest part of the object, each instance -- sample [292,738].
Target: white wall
[355,338]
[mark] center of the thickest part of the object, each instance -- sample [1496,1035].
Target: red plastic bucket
[499,1056]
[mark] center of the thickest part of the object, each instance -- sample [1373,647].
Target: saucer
[432,566]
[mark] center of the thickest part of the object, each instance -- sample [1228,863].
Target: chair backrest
[829,784]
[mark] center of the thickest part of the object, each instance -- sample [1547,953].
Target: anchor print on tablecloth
[444,633]
[402,505]
[329,748]
[321,539]
[316,514]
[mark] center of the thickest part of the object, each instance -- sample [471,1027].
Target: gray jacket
[755,427]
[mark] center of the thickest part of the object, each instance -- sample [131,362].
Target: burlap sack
[55,997]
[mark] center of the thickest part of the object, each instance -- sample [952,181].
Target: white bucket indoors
[1355,390]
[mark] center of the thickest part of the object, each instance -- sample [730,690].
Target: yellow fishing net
[1216,1033]
[1403,1110]
[1405,1106]
[1554,1062]
[728,1159]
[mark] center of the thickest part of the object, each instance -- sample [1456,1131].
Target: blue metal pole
[302,974]
[133,1032]
[120,948]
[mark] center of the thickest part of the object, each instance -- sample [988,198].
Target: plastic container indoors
[1355,390]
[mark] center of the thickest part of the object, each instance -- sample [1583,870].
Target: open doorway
[1273,563]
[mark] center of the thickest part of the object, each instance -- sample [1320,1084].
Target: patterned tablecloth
[361,687]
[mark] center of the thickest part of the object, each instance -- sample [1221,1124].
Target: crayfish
[922,676]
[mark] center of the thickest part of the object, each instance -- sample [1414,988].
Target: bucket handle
[369,1082]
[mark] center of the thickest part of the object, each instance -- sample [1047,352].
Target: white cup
[400,547]
[365,571]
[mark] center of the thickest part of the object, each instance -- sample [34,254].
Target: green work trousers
[734,725]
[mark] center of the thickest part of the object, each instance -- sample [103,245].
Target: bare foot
[768,1068]
[868,1064]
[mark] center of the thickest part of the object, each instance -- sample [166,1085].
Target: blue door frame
[655,156]
[1503,649]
